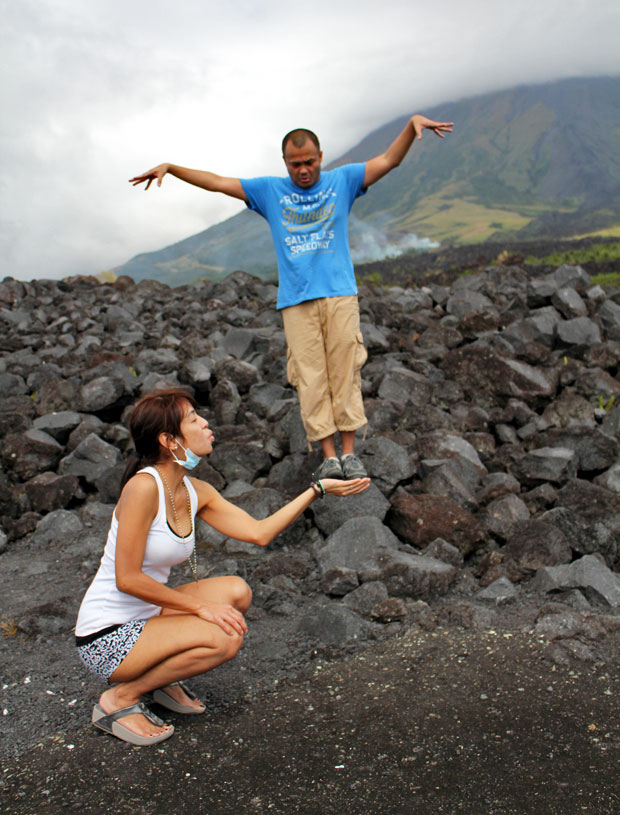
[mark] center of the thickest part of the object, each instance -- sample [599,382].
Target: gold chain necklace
[191,559]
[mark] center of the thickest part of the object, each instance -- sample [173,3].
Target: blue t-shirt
[310,231]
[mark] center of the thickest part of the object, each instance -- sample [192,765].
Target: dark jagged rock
[49,491]
[331,513]
[492,445]
[419,519]
[58,425]
[29,453]
[485,373]
[588,574]
[234,460]
[90,459]
[533,544]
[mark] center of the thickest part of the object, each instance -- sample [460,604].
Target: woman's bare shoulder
[141,484]
[140,491]
[204,491]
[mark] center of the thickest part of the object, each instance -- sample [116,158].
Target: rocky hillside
[522,164]
[492,446]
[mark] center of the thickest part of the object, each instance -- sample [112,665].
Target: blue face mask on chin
[191,459]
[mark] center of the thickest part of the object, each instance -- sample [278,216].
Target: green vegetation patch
[462,221]
[607,279]
[599,252]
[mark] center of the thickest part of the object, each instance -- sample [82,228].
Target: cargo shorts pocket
[291,369]
[361,354]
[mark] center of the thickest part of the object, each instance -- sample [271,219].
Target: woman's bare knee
[232,590]
[241,594]
[206,657]
[229,645]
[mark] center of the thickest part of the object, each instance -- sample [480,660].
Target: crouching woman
[134,631]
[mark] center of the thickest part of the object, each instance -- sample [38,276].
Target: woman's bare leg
[174,646]
[232,590]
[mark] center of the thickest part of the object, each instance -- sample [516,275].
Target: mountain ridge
[525,162]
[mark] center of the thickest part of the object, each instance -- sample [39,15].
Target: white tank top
[103,604]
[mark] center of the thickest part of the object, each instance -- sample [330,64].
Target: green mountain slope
[522,163]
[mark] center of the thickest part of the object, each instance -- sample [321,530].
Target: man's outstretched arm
[199,178]
[379,166]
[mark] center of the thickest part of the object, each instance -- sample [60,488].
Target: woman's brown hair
[156,413]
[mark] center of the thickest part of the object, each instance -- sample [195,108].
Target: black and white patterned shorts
[105,653]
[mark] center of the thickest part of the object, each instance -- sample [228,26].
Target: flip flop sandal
[164,699]
[107,722]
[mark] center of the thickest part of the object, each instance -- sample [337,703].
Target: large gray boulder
[101,393]
[197,372]
[90,459]
[441,479]
[405,387]
[364,598]
[495,485]
[58,529]
[569,303]
[161,361]
[227,400]
[291,475]
[355,543]
[332,624]
[540,327]
[242,373]
[588,574]
[464,301]
[49,491]
[500,592]
[590,517]
[481,370]
[574,276]
[500,515]
[581,331]
[594,451]
[27,454]
[407,575]
[609,315]
[595,384]
[235,460]
[461,455]
[16,413]
[332,512]
[568,409]
[263,395]
[386,462]
[533,544]
[366,547]
[58,425]
[239,342]
[555,464]
[610,479]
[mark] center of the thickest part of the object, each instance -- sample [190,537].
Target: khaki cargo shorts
[324,359]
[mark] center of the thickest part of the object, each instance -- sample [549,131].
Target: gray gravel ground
[448,721]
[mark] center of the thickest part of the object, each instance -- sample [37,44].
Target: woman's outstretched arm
[235,522]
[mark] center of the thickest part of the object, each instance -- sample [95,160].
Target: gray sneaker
[352,467]
[330,468]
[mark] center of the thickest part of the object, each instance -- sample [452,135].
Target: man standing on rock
[317,294]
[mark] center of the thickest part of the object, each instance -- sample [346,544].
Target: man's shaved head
[299,137]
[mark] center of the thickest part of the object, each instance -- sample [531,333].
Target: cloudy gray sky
[96,91]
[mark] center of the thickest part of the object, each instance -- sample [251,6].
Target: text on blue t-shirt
[310,231]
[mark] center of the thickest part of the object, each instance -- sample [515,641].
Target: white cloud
[96,92]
